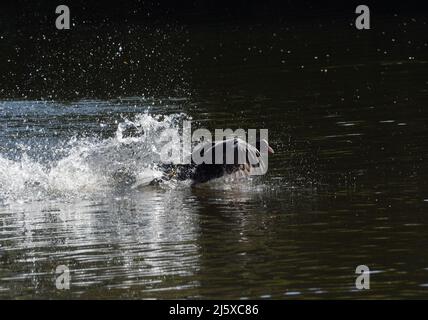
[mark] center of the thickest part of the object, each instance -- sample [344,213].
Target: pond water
[347,184]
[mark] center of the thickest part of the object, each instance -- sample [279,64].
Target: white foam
[89,165]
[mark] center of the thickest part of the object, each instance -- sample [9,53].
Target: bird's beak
[270,150]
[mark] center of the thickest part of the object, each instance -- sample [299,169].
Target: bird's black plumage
[245,157]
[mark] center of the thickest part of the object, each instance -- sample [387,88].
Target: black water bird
[233,155]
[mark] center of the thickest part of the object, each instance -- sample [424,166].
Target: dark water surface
[346,113]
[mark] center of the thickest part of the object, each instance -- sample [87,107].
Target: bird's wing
[248,156]
[235,151]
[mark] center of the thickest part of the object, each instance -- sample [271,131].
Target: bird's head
[262,144]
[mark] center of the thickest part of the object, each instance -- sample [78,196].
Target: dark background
[165,43]
[23,14]
[346,113]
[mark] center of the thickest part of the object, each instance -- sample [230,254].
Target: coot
[232,155]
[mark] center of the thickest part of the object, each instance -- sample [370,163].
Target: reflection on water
[346,186]
[243,242]
[116,243]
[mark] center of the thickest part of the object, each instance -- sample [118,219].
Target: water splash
[89,165]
